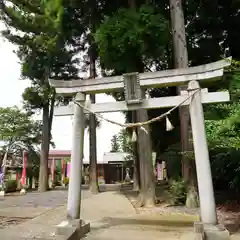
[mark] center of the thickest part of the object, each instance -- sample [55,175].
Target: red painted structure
[60,159]
[24,169]
[110,170]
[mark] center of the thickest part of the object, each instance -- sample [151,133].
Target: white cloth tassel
[87,103]
[169,126]
[134,135]
[144,129]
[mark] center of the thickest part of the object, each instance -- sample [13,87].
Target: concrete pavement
[114,218]
[47,210]
[111,215]
[34,204]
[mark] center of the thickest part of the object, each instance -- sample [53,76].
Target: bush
[178,192]
[11,186]
[225,167]
[66,181]
[172,156]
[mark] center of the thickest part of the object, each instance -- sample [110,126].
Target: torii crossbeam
[132,84]
[173,77]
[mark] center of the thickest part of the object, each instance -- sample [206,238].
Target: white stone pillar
[33,183]
[74,190]
[204,176]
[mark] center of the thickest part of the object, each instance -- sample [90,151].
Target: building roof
[59,153]
[114,157]
[107,156]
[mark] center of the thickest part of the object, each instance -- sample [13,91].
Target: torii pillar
[209,224]
[74,189]
[74,222]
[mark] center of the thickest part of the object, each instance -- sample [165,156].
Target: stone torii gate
[133,84]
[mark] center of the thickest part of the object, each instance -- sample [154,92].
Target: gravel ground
[228,213]
[50,199]
[8,221]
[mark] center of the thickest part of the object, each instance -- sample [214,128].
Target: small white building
[114,167]
[115,157]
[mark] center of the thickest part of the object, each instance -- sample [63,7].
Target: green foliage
[114,144]
[220,137]
[124,141]
[225,168]
[172,156]
[11,186]
[66,181]
[50,32]
[120,142]
[129,34]
[37,28]
[19,131]
[136,40]
[17,125]
[223,133]
[40,21]
[177,192]
[67,160]
[223,126]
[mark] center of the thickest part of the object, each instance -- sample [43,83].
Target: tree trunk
[181,61]
[50,119]
[147,183]
[43,173]
[144,146]
[52,103]
[136,180]
[93,184]
[30,182]
[132,3]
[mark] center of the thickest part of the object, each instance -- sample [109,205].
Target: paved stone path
[33,203]
[114,218]
[35,199]
[111,215]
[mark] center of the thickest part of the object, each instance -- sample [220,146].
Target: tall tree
[17,129]
[17,125]
[93,184]
[181,61]
[37,28]
[124,141]
[124,47]
[90,13]
[115,144]
[120,142]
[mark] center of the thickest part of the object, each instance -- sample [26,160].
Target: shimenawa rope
[138,124]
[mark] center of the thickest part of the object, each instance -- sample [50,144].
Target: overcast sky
[10,94]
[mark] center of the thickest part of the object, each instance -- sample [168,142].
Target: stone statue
[127,177]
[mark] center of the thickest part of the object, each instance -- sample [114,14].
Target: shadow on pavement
[165,225]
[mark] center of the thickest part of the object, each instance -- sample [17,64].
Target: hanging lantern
[169,126]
